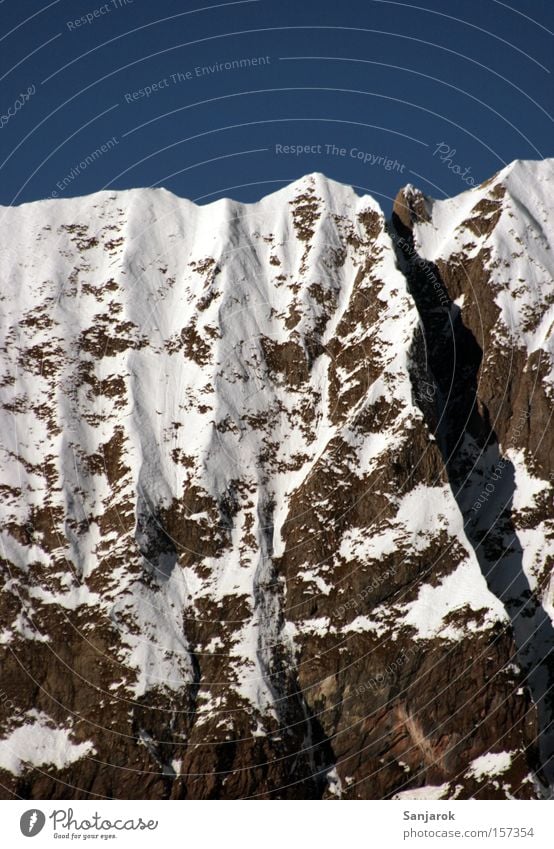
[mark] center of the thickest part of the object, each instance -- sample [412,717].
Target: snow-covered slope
[236,562]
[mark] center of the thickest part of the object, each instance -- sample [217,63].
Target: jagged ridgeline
[276,490]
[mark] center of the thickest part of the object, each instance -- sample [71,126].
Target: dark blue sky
[372,86]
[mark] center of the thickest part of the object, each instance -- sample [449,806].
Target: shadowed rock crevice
[480,475]
[309,765]
[296,740]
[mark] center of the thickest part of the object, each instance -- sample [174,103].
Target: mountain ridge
[317,177]
[232,514]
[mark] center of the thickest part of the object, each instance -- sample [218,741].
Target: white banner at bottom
[270,825]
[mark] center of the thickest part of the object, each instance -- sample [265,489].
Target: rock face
[250,546]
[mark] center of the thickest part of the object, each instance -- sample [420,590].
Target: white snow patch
[429,792]
[490,764]
[40,743]
[465,586]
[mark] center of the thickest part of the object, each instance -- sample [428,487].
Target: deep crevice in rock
[480,475]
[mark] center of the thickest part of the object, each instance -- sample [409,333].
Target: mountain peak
[269,474]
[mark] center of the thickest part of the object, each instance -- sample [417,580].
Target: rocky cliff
[276,485]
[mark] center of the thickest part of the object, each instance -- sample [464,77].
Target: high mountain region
[276,486]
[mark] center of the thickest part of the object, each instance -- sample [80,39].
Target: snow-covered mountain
[277,494]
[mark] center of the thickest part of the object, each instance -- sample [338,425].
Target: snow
[430,792]
[334,785]
[527,486]
[40,743]
[492,763]
[465,586]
